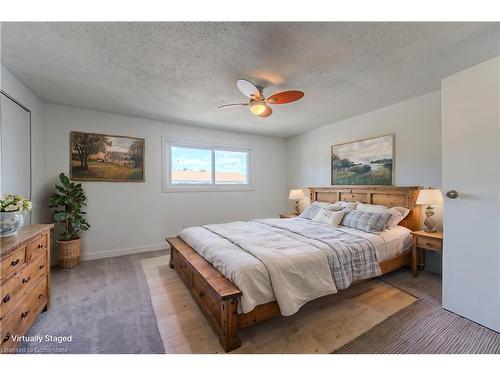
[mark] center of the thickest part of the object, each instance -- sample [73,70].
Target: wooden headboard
[390,196]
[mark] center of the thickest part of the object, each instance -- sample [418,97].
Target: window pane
[191,165]
[231,167]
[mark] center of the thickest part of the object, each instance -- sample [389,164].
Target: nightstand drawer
[429,243]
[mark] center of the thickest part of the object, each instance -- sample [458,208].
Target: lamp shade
[296,194]
[430,196]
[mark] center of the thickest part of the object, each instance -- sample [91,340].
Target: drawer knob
[25,280]
[41,266]
[14,262]
[40,246]
[6,298]
[24,314]
[202,294]
[40,296]
[6,338]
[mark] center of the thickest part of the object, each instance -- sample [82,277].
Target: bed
[242,273]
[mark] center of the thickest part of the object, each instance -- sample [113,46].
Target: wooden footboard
[216,295]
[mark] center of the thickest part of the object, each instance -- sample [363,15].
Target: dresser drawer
[20,318]
[30,275]
[429,243]
[33,303]
[38,246]
[13,262]
[12,291]
[8,293]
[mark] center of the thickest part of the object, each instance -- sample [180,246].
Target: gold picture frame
[368,161]
[106,157]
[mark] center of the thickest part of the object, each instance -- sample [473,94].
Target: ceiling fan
[258,102]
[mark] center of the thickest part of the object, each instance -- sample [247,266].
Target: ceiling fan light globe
[266,113]
[258,107]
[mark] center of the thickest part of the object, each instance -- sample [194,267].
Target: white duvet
[289,261]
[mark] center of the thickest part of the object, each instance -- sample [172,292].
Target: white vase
[10,222]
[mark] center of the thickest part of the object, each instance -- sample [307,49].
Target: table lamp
[429,197]
[296,195]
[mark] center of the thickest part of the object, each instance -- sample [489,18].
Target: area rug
[101,306]
[321,326]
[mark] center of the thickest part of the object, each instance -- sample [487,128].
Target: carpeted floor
[424,327]
[104,305]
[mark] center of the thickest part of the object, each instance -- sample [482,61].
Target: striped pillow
[313,210]
[371,222]
[397,213]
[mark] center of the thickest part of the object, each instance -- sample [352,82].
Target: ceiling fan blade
[248,88]
[285,97]
[232,105]
[266,113]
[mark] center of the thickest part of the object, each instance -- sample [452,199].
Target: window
[192,167]
[231,167]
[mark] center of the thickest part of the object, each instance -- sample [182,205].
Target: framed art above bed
[364,162]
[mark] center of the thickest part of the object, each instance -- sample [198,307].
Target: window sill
[205,189]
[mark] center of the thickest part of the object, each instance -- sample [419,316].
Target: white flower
[11,208]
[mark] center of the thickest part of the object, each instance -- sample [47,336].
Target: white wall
[416,124]
[14,88]
[139,215]
[471,165]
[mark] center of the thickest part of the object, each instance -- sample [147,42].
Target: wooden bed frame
[218,296]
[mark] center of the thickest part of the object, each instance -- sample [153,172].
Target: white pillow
[329,217]
[397,213]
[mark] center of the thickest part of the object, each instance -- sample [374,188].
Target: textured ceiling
[180,72]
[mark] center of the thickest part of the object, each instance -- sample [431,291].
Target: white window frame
[168,187]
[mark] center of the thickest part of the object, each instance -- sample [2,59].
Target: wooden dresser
[24,281]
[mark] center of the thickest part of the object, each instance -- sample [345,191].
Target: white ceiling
[180,72]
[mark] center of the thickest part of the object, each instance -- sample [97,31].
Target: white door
[15,130]
[471,166]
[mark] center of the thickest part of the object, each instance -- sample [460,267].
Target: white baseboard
[120,252]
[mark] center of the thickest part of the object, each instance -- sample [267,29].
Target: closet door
[15,149]
[471,166]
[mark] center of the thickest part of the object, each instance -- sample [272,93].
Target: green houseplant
[67,202]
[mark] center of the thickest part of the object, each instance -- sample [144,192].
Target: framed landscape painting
[364,162]
[101,157]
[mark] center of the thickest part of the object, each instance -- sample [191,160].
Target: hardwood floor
[320,326]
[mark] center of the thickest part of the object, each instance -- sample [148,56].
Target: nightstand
[423,240]
[288,216]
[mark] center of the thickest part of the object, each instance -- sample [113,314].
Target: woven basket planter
[68,253]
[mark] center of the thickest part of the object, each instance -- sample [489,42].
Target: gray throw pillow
[371,222]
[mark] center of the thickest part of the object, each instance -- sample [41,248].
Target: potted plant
[68,201]
[12,208]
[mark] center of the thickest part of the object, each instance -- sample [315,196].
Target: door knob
[452,194]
